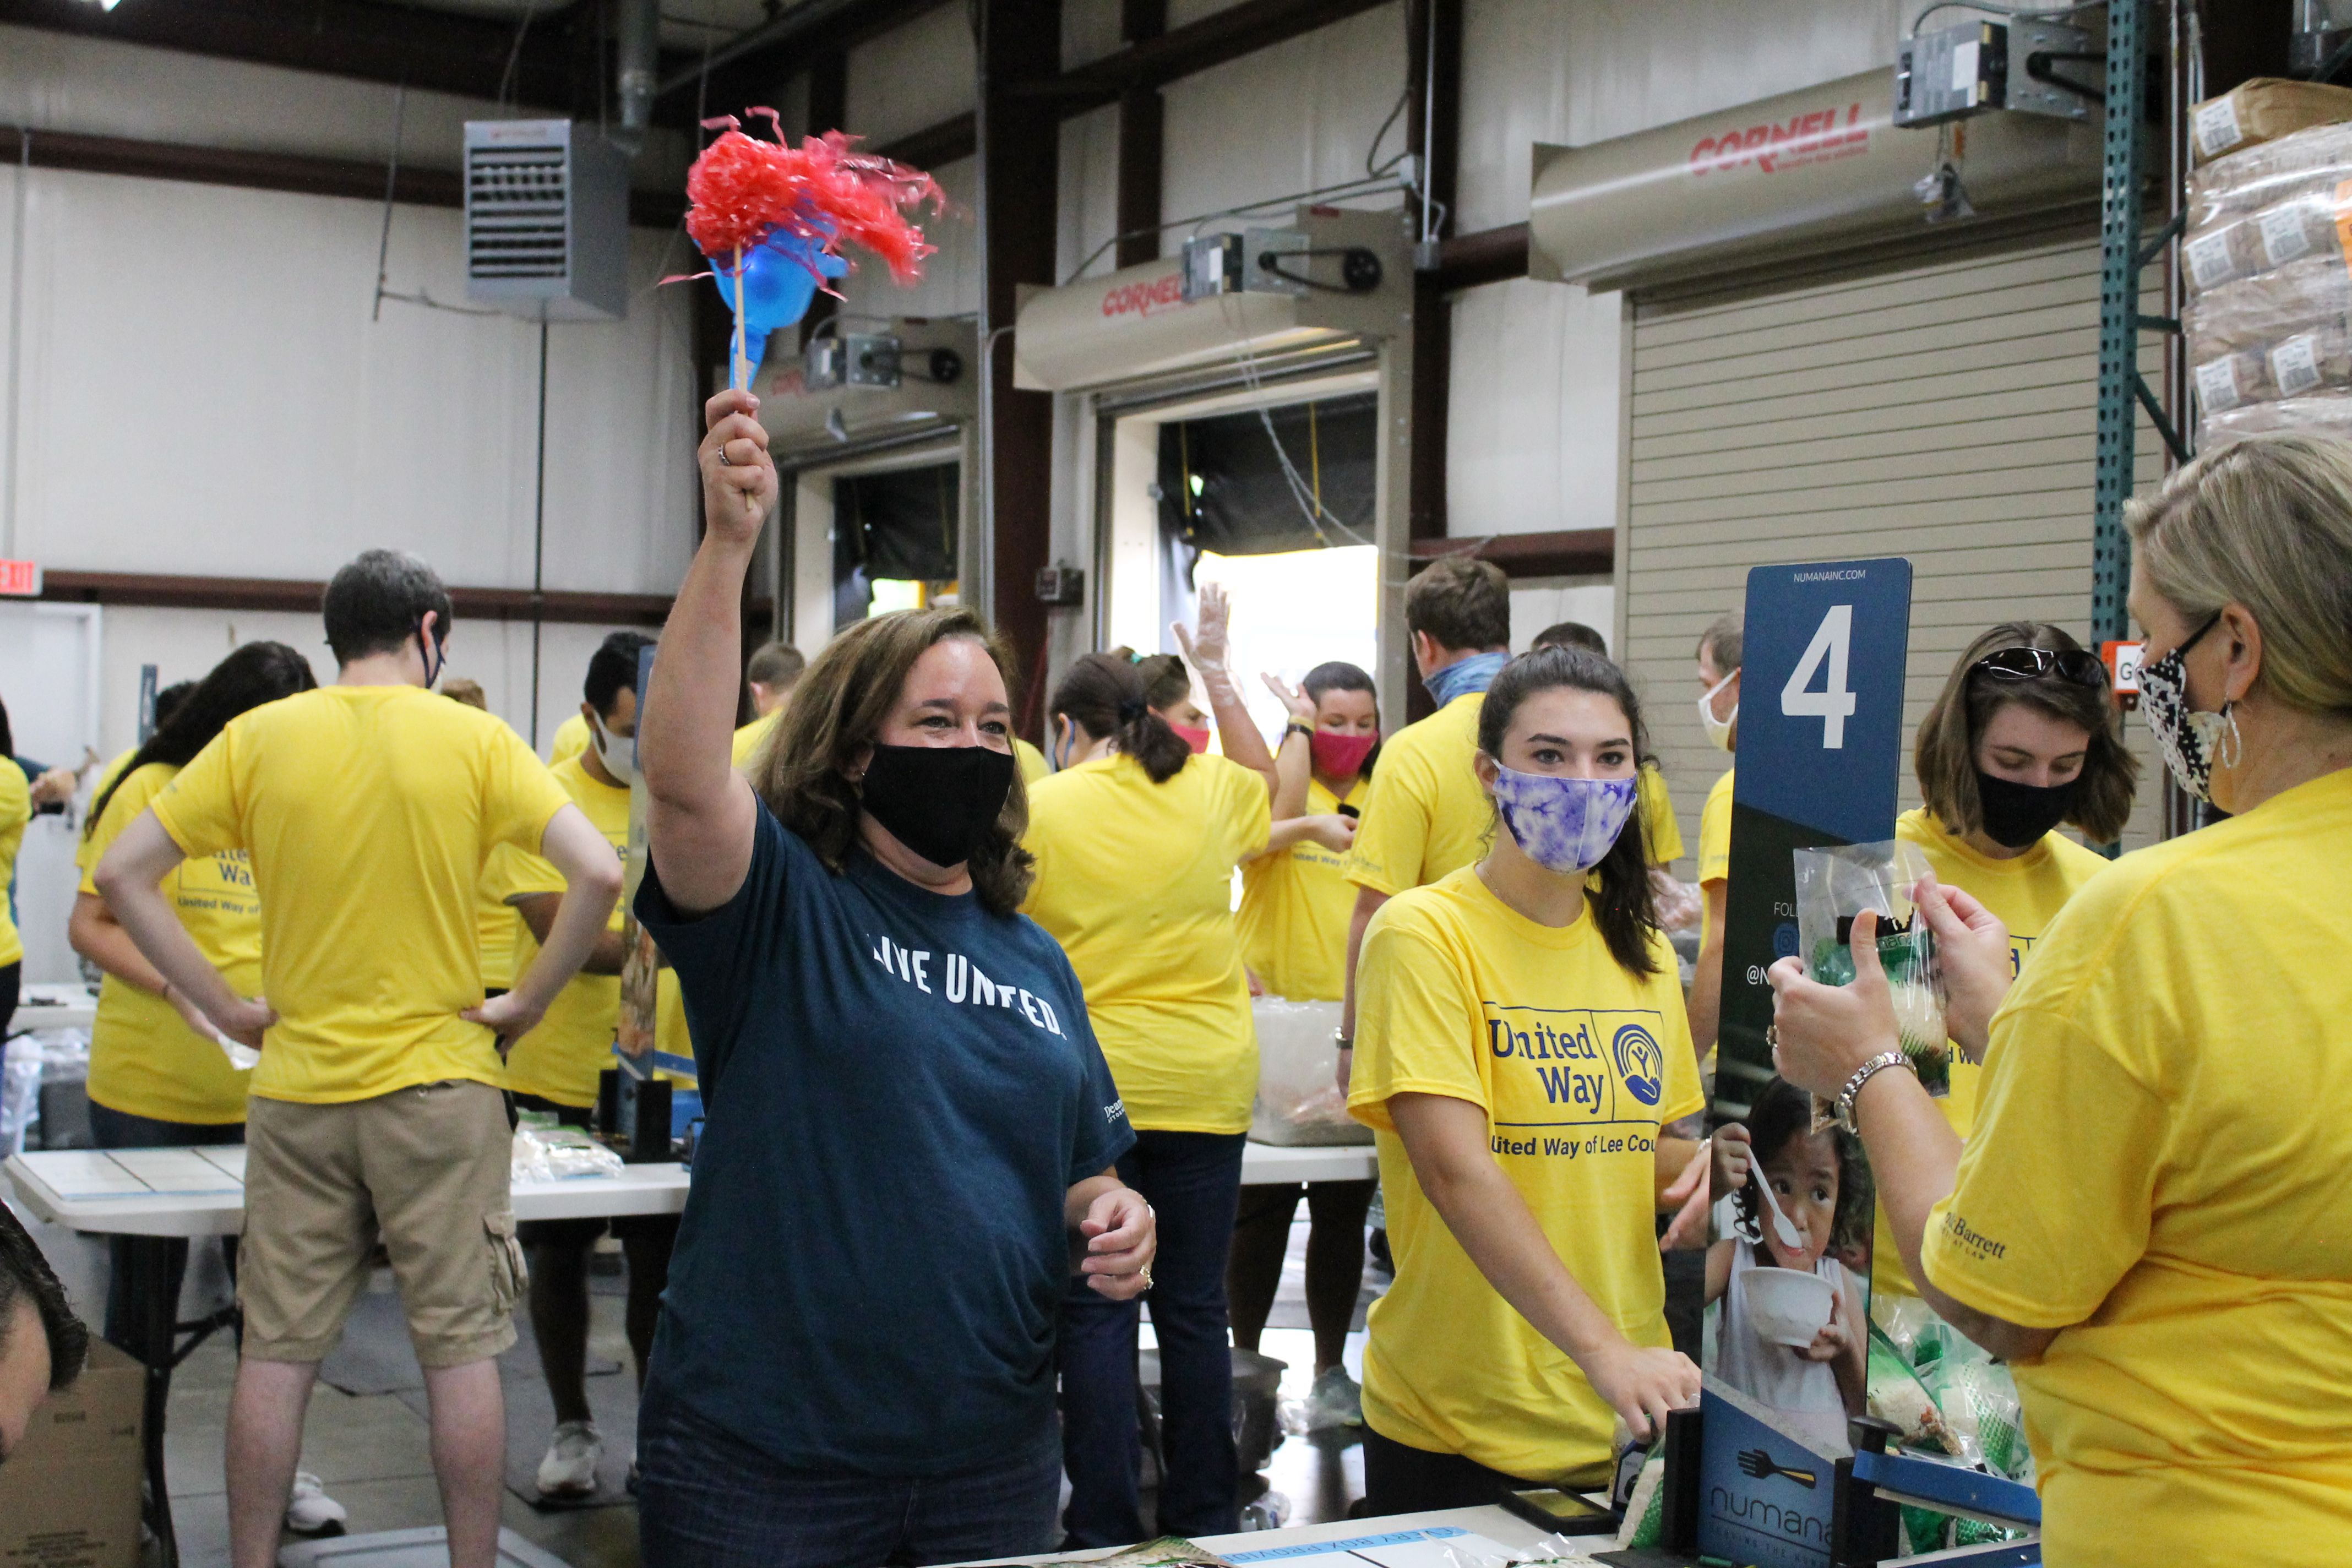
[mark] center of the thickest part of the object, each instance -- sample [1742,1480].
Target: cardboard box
[69,1493]
[2264,109]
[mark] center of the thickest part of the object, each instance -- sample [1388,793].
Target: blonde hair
[2265,523]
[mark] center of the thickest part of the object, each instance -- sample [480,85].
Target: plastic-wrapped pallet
[2328,413]
[2309,224]
[2291,167]
[2292,366]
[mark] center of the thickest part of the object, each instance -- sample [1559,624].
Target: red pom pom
[742,189]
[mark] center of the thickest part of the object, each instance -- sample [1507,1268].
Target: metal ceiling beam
[748,67]
[1214,40]
[432,49]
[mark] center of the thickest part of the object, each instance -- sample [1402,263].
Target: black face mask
[937,800]
[2016,815]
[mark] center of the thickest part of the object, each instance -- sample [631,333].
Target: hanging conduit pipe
[637,23]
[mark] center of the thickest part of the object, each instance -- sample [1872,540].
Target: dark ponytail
[257,673]
[1623,906]
[1106,696]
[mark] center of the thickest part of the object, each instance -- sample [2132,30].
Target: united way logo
[1640,1062]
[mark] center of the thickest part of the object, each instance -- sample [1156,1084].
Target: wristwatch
[1863,1075]
[1296,727]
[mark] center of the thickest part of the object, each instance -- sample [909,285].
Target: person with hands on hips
[1520,1042]
[2148,1218]
[910,1134]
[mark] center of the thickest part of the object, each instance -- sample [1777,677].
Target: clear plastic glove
[1208,642]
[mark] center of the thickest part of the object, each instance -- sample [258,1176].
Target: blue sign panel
[1764,1497]
[1821,754]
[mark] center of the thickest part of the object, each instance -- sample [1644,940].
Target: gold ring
[1772,1036]
[1145,1275]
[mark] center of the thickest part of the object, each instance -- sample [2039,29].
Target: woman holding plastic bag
[2024,737]
[2147,1218]
[1294,931]
[1520,1040]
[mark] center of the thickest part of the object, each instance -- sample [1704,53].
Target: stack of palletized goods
[2268,260]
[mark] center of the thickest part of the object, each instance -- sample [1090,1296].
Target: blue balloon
[780,277]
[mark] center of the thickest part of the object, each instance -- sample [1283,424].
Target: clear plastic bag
[2328,412]
[1837,884]
[2234,247]
[1298,1096]
[2311,295]
[545,1150]
[2246,181]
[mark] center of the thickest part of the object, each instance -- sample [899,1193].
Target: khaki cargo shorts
[428,1166]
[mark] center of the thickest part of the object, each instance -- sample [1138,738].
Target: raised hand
[738,476]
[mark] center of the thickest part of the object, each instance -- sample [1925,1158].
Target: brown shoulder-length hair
[838,707]
[1944,755]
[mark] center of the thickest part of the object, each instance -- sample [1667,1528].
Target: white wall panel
[950,281]
[184,644]
[205,394]
[1531,432]
[915,76]
[1576,71]
[1295,117]
[1087,207]
[1089,31]
[54,81]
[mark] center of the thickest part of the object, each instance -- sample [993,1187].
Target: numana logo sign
[1764,1496]
[1640,1062]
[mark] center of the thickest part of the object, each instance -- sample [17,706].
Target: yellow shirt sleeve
[571,740]
[519,797]
[1392,834]
[1714,833]
[1249,812]
[1033,763]
[200,808]
[1662,836]
[2056,1186]
[15,811]
[1415,1012]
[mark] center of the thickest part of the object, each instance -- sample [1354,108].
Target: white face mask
[1718,730]
[617,752]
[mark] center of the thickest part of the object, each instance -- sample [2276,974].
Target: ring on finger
[1144,1274]
[725,461]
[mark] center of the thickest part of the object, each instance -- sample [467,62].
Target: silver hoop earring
[2233,744]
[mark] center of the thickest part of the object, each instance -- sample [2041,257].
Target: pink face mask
[1341,756]
[1196,739]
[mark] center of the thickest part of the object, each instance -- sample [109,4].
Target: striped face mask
[1564,825]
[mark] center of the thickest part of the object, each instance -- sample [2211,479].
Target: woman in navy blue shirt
[911,1132]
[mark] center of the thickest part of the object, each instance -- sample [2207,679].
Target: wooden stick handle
[739,369]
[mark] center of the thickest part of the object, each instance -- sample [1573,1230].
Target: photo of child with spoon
[1810,1201]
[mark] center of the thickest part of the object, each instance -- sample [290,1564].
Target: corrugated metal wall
[1944,412]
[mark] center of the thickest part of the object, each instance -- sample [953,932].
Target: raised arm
[701,814]
[1446,1140]
[1206,645]
[1293,759]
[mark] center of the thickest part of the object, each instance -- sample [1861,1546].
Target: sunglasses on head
[2030,663]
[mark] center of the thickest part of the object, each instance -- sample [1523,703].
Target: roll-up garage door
[1944,412]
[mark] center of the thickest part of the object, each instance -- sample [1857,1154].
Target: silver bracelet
[1863,1075]
[1344,1040]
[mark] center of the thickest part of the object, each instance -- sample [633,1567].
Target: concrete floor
[371,1450]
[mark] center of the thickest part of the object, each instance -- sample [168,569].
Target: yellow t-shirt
[15,811]
[560,1060]
[1576,1063]
[1134,880]
[1294,911]
[2026,893]
[370,813]
[1030,761]
[144,1061]
[2163,1130]
[750,737]
[1715,839]
[498,933]
[1662,835]
[571,740]
[1425,816]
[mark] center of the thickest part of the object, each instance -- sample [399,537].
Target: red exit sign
[20,579]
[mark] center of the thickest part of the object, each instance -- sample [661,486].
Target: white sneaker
[569,1467]
[1334,1401]
[310,1512]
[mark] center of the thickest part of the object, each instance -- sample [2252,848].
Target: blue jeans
[706,1498]
[1192,1180]
[111,1129]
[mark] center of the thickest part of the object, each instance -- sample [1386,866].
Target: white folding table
[156,1196]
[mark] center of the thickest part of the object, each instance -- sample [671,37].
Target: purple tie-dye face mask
[1563,825]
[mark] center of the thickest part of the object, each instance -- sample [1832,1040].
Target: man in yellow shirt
[368,809]
[556,1067]
[1426,815]
[770,673]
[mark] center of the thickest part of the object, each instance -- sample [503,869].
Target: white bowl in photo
[1787,1308]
